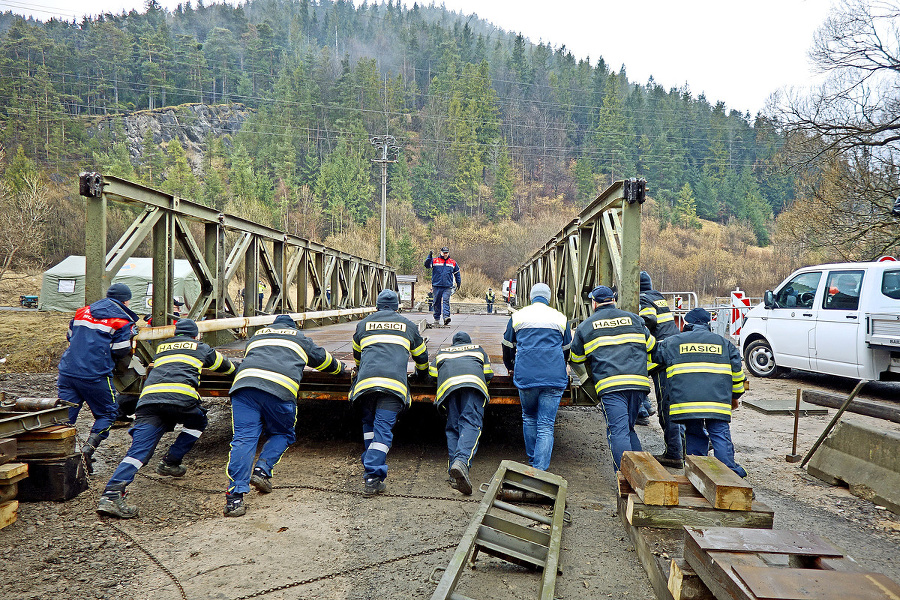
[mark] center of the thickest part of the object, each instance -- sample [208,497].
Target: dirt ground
[316,522]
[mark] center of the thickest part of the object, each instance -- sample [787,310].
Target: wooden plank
[8,512]
[685,584]
[767,583]
[685,488]
[8,492]
[649,479]
[718,484]
[696,512]
[59,441]
[12,470]
[861,406]
[54,432]
[7,450]
[709,567]
[654,548]
[777,541]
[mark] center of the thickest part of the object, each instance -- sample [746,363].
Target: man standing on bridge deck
[264,396]
[704,380]
[661,323]
[535,351]
[462,373]
[169,397]
[444,271]
[615,344]
[99,342]
[382,345]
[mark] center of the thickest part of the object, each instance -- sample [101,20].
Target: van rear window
[890,284]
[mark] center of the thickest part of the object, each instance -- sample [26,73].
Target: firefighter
[444,271]
[615,344]
[462,372]
[661,323]
[704,380]
[99,342]
[489,299]
[535,351]
[382,345]
[264,397]
[169,397]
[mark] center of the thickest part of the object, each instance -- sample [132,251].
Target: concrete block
[867,459]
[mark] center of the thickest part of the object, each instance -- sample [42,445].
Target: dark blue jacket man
[99,340]
[169,397]
[264,396]
[615,343]
[382,345]
[535,351]
[462,372]
[444,271]
[704,380]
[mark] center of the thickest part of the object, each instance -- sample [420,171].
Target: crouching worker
[462,373]
[382,345]
[169,398]
[704,380]
[264,395]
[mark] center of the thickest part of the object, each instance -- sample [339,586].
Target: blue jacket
[99,336]
[536,346]
[443,271]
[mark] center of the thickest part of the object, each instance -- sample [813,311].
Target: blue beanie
[461,337]
[284,320]
[602,294]
[387,300]
[186,327]
[698,315]
[119,291]
[646,282]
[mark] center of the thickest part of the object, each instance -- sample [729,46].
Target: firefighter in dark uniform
[169,398]
[661,322]
[704,380]
[382,345]
[99,342]
[615,344]
[489,300]
[264,397]
[462,372]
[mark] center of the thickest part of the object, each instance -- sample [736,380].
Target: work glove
[353,373]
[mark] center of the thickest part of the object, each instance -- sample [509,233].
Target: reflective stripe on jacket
[99,335]
[176,372]
[463,366]
[615,345]
[275,358]
[536,346]
[382,345]
[703,374]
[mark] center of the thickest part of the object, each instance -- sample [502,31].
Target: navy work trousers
[252,412]
[150,423]
[100,396]
[379,415]
[699,434]
[673,432]
[465,415]
[441,302]
[621,410]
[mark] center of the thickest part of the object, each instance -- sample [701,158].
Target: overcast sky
[738,52]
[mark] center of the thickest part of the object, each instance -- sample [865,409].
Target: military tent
[62,288]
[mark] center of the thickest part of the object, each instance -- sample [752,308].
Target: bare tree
[844,137]
[23,217]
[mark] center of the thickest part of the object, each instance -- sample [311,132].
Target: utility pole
[387,146]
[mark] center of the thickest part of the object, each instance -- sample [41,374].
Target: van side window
[799,292]
[890,284]
[842,290]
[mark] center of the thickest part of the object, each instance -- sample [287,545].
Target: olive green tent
[62,288]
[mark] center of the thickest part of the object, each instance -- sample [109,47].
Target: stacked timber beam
[11,473]
[710,540]
[57,469]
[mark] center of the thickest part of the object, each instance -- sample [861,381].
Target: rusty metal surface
[777,541]
[815,584]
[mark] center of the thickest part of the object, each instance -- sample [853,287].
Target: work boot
[174,470]
[234,505]
[113,503]
[87,451]
[446,321]
[373,486]
[645,421]
[261,481]
[460,471]
[667,461]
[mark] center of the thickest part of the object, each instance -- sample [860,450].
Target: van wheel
[760,359]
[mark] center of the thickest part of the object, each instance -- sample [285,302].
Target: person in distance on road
[444,271]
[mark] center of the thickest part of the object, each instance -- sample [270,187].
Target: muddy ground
[65,550]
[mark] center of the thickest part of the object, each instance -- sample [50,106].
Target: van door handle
[807,314]
[851,316]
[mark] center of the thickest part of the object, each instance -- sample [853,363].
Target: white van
[841,319]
